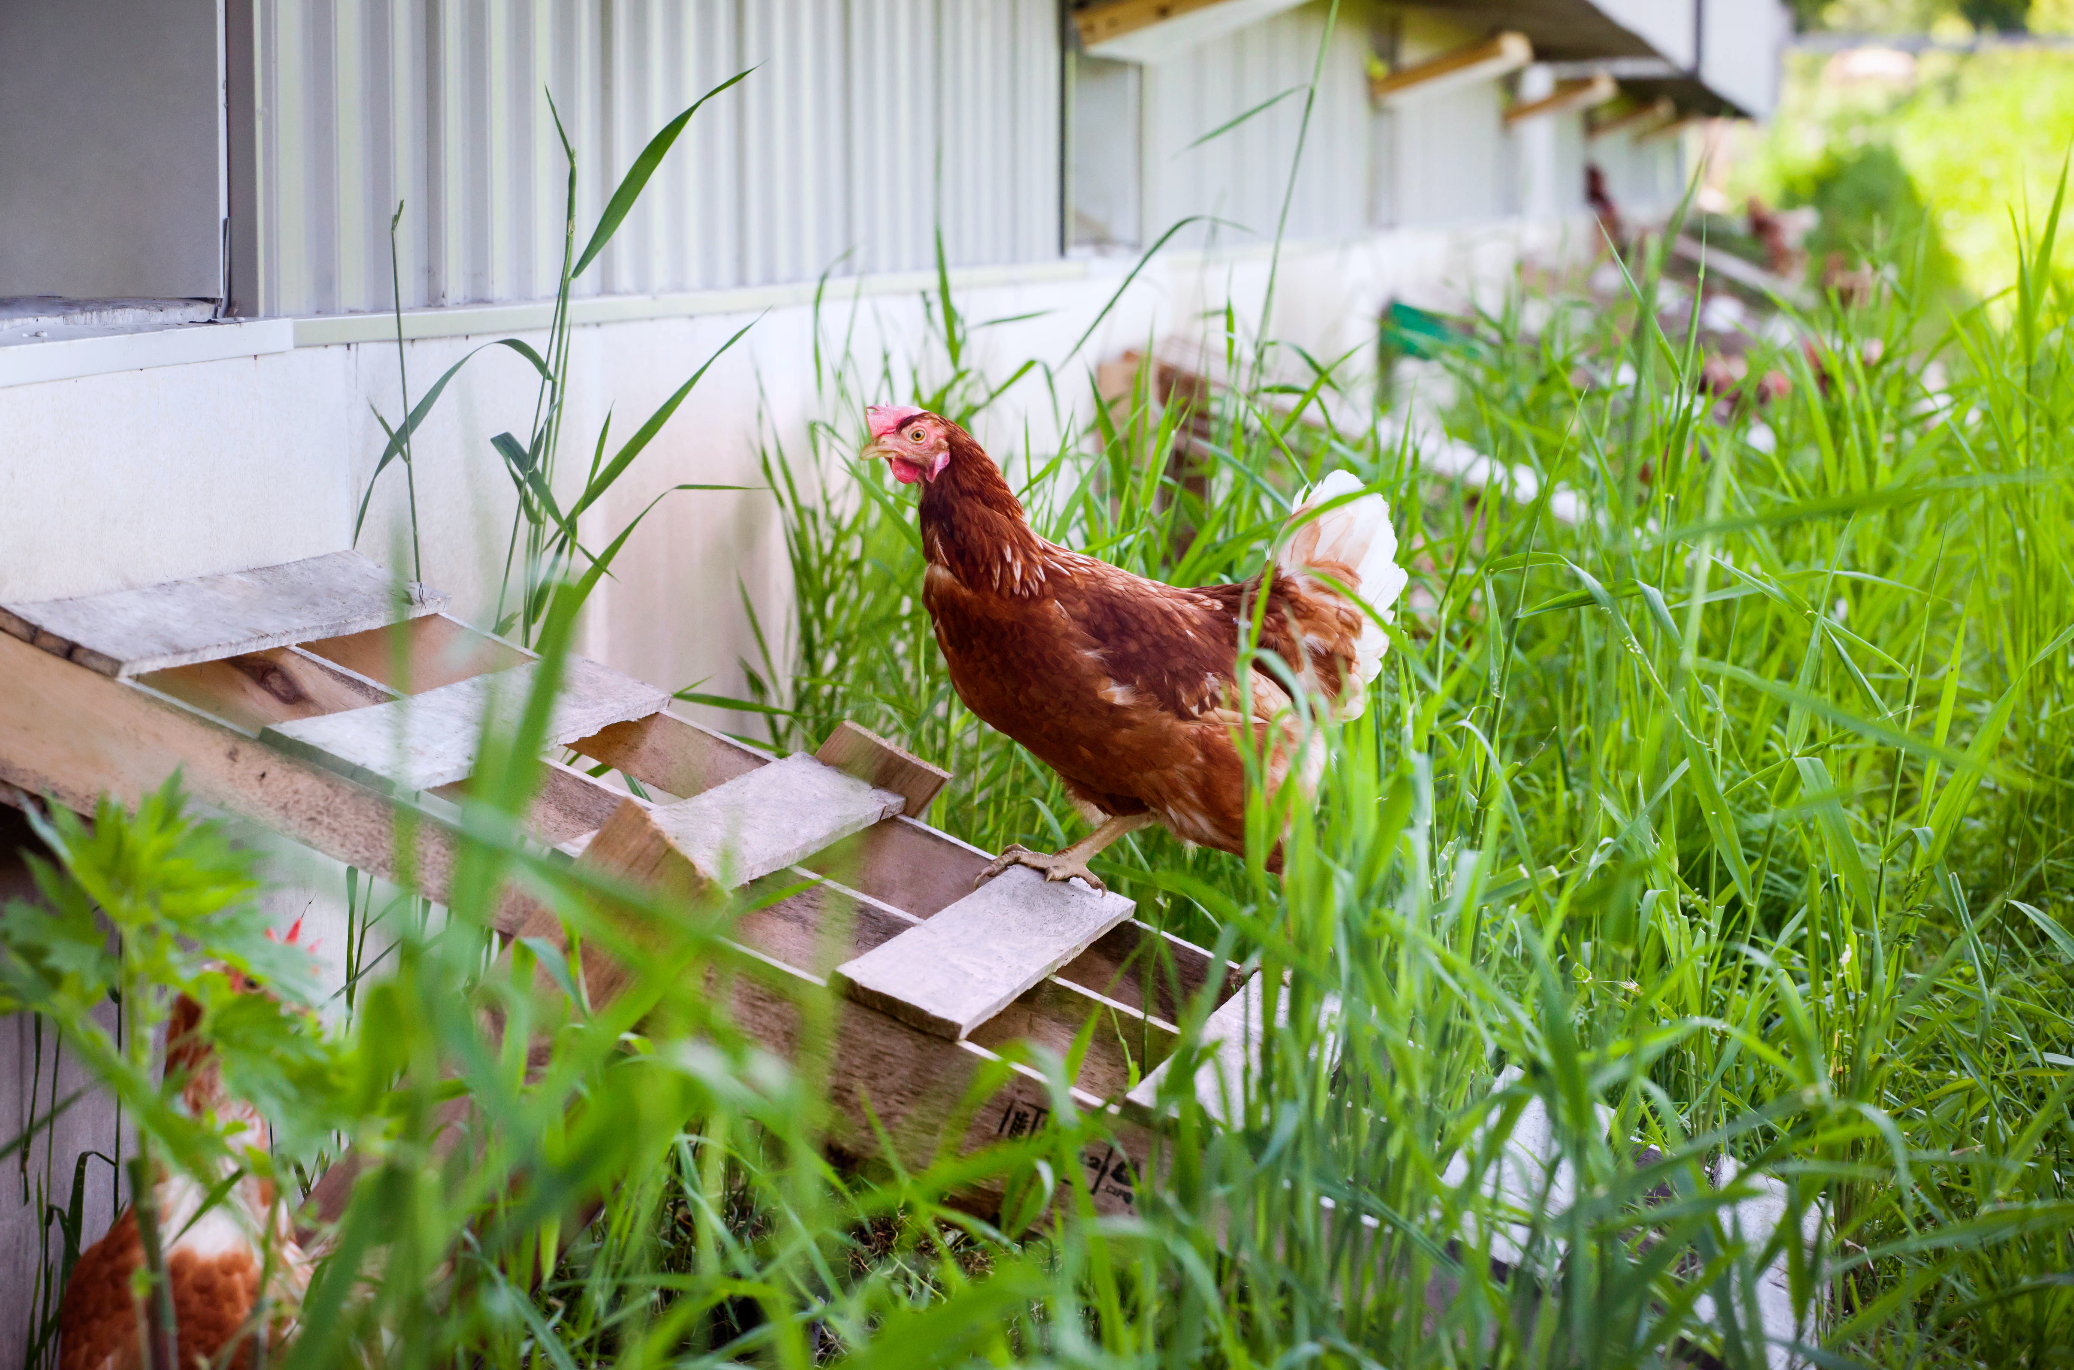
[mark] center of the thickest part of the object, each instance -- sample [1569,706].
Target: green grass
[1929,176]
[1738,808]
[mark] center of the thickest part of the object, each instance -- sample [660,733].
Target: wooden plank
[278,685]
[864,754]
[1638,118]
[422,654]
[72,735]
[767,820]
[671,754]
[1485,61]
[1567,97]
[953,972]
[1727,266]
[1231,1038]
[180,622]
[567,805]
[424,741]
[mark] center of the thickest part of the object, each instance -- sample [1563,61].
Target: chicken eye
[916,434]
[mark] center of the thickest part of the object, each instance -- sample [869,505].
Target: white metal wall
[1453,157]
[865,121]
[1644,175]
[1242,175]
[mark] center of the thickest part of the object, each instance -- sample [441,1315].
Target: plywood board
[951,973]
[180,622]
[424,741]
[773,817]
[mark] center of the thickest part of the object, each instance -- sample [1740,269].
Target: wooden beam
[1153,30]
[1485,61]
[1231,1038]
[953,972]
[1645,115]
[180,622]
[1101,22]
[864,754]
[1672,127]
[568,804]
[1567,97]
[887,1075]
[427,740]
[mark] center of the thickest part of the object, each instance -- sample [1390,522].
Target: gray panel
[111,149]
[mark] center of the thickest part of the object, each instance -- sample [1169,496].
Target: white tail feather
[1357,535]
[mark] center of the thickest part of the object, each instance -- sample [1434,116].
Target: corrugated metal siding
[1454,158]
[1566,173]
[829,155]
[1242,175]
[1644,175]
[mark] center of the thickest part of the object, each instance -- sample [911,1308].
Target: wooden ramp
[310,698]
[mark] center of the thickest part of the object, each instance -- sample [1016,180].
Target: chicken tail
[1356,536]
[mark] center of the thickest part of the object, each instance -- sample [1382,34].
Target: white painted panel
[1107,142]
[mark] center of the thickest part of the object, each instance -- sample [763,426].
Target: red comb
[884,418]
[294,937]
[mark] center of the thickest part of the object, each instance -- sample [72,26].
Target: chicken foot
[1072,862]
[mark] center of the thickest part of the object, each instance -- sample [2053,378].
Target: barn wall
[1241,175]
[866,122]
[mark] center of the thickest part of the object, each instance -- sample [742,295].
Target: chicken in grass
[1128,688]
[216,1255]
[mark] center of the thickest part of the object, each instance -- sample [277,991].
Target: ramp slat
[1231,1037]
[773,817]
[424,741]
[953,972]
[181,622]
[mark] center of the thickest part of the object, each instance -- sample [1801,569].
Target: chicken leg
[1072,862]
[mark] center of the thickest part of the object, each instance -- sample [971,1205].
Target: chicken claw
[1065,865]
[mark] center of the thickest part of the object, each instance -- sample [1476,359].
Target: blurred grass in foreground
[1738,806]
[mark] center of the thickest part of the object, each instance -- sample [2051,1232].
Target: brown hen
[215,1256]
[1128,688]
